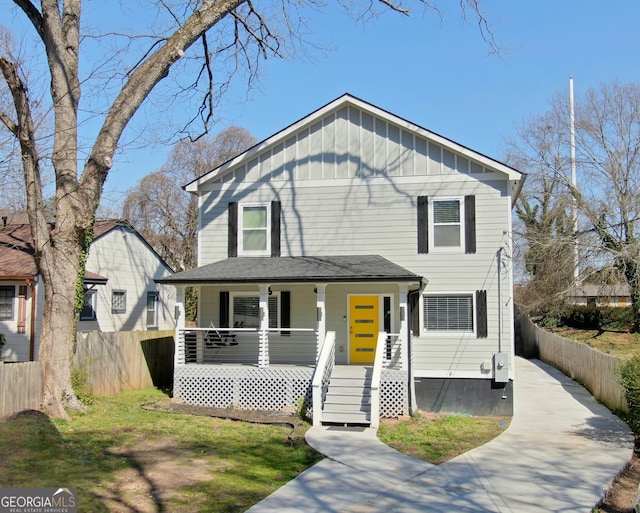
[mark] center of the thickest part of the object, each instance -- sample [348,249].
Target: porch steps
[348,399]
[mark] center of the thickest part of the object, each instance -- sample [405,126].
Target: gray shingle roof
[295,269]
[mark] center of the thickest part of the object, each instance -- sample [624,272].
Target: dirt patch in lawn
[256,416]
[622,494]
[158,470]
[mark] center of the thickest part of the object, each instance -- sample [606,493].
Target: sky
[437,73]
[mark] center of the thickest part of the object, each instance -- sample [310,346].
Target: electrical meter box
[501,367]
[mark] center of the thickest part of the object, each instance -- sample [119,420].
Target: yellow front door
[364,319]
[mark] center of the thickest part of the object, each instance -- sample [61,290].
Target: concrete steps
[348,399]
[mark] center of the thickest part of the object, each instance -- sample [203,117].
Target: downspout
[412,386]
[32,324]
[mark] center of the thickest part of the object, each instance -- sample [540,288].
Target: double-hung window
[255,221]
[448,226]
[246,311]
[6,303]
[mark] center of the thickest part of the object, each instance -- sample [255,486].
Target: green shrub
[630,377]
[582,317]
[617,318]
[81,386]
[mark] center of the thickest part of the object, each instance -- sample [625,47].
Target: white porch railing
[247,346]
[322,375]
[391,349]
[381,353]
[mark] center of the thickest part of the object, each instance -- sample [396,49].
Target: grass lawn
[123,458]
[438,438]
[617,343]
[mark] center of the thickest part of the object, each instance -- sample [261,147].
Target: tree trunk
[57,340]
[632,274]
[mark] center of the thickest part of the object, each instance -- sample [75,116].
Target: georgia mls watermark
[38,500]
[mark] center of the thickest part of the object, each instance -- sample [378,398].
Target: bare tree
[543,212]
[608,166]
[201,39]
[166,215]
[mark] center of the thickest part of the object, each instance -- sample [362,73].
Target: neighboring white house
[353,241]
[614,294]
[120,291]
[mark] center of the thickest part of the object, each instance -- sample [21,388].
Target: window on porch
[246,311]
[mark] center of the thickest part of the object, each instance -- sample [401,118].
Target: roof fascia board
[336,104]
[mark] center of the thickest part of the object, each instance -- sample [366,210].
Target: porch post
[178,355]
[321,317]
[404,326]
[263,344]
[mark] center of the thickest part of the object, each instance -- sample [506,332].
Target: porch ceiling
[295,269]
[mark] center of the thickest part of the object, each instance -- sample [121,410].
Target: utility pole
[574,180]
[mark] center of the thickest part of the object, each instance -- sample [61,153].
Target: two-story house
[358,255]
[120,293]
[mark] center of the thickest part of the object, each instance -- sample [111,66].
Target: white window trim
[13,303]
[433,333]
[234,295]
[124,296]
[93,294]
[241,250]
[156,308]
[432,232]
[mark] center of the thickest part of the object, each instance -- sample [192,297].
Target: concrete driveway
[559,454]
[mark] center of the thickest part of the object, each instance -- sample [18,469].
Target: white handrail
[326,360]
[375,379]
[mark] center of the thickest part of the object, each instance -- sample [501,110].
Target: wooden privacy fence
[126,360]
[597,371]
[111,362]
[21,387]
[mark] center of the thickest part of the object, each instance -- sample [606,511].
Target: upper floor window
[118,301]
[88,312]
[255,223]
[6,303]
[254,229]
[447,223]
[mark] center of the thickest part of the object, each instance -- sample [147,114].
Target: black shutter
[414,313]
[233,229]
[275,228]
[423,224]
[224,309]
[481,314]
[285,311]
[469,224]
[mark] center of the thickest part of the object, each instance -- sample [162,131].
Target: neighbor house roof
[355,268]
[17,260]
[604,290]
[16,252]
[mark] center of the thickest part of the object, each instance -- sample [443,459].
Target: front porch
[233,371]
[266,326]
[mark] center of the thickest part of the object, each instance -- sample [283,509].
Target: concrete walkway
[560,452]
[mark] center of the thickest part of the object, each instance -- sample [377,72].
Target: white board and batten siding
[348,183]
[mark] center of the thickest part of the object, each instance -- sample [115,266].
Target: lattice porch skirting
[272,388]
